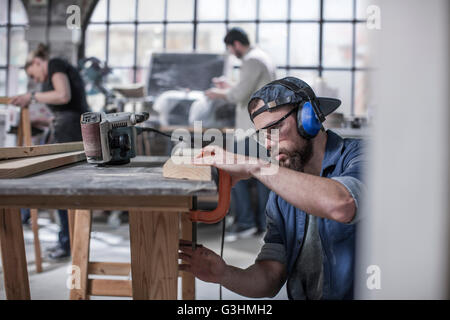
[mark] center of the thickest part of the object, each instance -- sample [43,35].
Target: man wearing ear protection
[313,206]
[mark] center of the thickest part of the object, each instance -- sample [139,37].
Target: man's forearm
[315,195]
[254,282]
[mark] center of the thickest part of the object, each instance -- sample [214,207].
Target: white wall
[406,231]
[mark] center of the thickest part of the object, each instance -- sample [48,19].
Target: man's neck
[314,165]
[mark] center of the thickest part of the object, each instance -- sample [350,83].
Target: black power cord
[221,250]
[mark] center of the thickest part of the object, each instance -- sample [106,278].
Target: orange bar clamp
[222,205]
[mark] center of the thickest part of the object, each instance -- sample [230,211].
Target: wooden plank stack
[19,162]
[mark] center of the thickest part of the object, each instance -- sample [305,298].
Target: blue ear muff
[308,124]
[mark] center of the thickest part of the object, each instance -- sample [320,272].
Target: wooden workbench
[154,204]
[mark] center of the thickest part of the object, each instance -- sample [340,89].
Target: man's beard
[297,159]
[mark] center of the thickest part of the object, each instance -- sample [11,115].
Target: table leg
[187,278]
[154,254]
[14,261]
[71,220]
[80,255]
[37,243]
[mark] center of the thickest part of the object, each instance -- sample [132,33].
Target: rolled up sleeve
[351,178]
[356,189]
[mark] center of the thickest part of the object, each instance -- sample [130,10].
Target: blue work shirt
[343,161]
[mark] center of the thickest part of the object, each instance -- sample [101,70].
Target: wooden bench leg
[37,243]
[154,238]
[71,219]
[80,255]
[187,278]
[14,261]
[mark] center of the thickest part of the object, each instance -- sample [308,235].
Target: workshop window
[324,42]
[13,47]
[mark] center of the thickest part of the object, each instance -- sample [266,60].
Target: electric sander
[111,138]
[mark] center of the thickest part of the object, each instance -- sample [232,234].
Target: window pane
[305,9]
[304,44]
[18,13]
[361,93]
[337,46]
[18,81]
[3,11]
[309,76]
[122,10]
[280,73]
[180,10]
[95,43]
[210,37]
[211,10]
[151,10]
[337,84]
[179,37]
[272,39]
[150,38]
[121,45]
[19,47]
[3,46]
[361,9]
[249,28]
[99,14]
[273,10]
[242,10]
[2,83]
[120,77]
[338,9]
[141,75]
[362,45]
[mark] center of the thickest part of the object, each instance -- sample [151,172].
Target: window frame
[321,21]
[8,26]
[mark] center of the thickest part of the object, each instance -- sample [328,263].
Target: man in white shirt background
[257,69]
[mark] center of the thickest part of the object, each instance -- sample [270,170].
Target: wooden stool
[24,139]
[80,222]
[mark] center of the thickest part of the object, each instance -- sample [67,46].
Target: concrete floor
[112,244]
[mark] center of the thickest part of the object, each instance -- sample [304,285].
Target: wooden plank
[154,254]
[108,287]
[178,168]
[19,168]
[80,255]
[114,202]
[5,100]
[45,149]
[187,278]
[15,274]
[37,243]
[110,268]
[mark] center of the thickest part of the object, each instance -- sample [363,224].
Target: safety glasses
[267,132]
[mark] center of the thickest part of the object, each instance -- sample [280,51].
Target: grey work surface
[141,177]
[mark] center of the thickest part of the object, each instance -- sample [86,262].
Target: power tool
[111,138]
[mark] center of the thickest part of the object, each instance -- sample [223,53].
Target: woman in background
[63,92]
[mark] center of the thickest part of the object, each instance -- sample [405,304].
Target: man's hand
[237,165]
[221,83]
[21,100]
[216,93]
[201,262]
